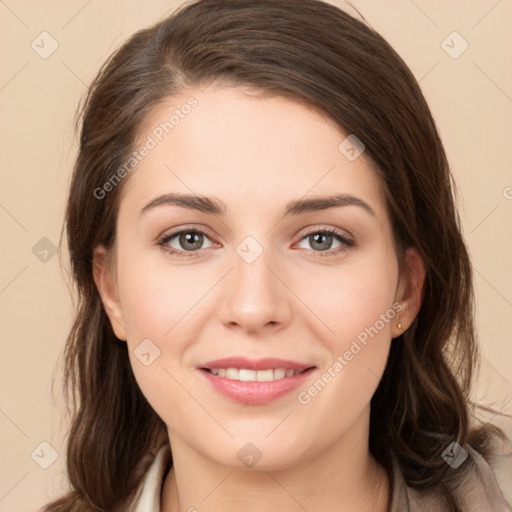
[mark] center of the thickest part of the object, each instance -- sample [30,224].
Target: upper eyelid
[171,234]
[335,230]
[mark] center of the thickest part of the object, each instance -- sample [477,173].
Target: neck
[343,477]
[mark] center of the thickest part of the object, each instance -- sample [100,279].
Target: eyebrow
[214,206]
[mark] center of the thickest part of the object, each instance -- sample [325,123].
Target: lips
[254,381]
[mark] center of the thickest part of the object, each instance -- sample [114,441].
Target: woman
[273,283]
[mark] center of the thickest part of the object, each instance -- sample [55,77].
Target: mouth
[255,382]
[247,375]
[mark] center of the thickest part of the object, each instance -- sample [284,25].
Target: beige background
[470,97]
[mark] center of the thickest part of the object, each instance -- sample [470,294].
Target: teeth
[279,373]
[232,373]
[265,375]
[245,375]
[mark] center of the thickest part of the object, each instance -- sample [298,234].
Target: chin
[259,454]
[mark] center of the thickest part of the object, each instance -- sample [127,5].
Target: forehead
[245,148]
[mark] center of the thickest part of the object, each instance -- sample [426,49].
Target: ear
[106,283]
[409,292]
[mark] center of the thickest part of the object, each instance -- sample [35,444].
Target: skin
[255,154]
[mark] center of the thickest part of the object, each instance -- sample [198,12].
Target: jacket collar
[479,491]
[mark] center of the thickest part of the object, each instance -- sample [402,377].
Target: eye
[187,242]
[184,241]
[321,241]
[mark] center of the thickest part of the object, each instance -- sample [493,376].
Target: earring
[399,325]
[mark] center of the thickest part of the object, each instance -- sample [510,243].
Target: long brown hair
[317,54]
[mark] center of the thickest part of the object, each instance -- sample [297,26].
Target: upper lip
[265,363]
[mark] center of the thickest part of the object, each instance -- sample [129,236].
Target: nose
[254,296]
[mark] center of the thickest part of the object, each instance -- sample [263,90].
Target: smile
[254,382]
[246,375]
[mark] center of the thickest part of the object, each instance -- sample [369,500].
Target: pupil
[323,245]
[189,238]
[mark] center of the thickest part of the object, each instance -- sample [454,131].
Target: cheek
[156,300]
[352,299]
[163,302]
[158,310]
[164,310]
[358,306]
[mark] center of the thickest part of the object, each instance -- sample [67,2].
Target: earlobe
[410,291]
[104,277]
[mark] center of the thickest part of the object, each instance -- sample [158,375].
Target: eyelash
[341,237]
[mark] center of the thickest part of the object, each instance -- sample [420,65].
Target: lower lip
[255,393]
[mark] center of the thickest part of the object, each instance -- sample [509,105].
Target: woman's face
[253,277]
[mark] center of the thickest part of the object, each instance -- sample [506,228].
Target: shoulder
[486,487]
[488,484]
[501,466]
